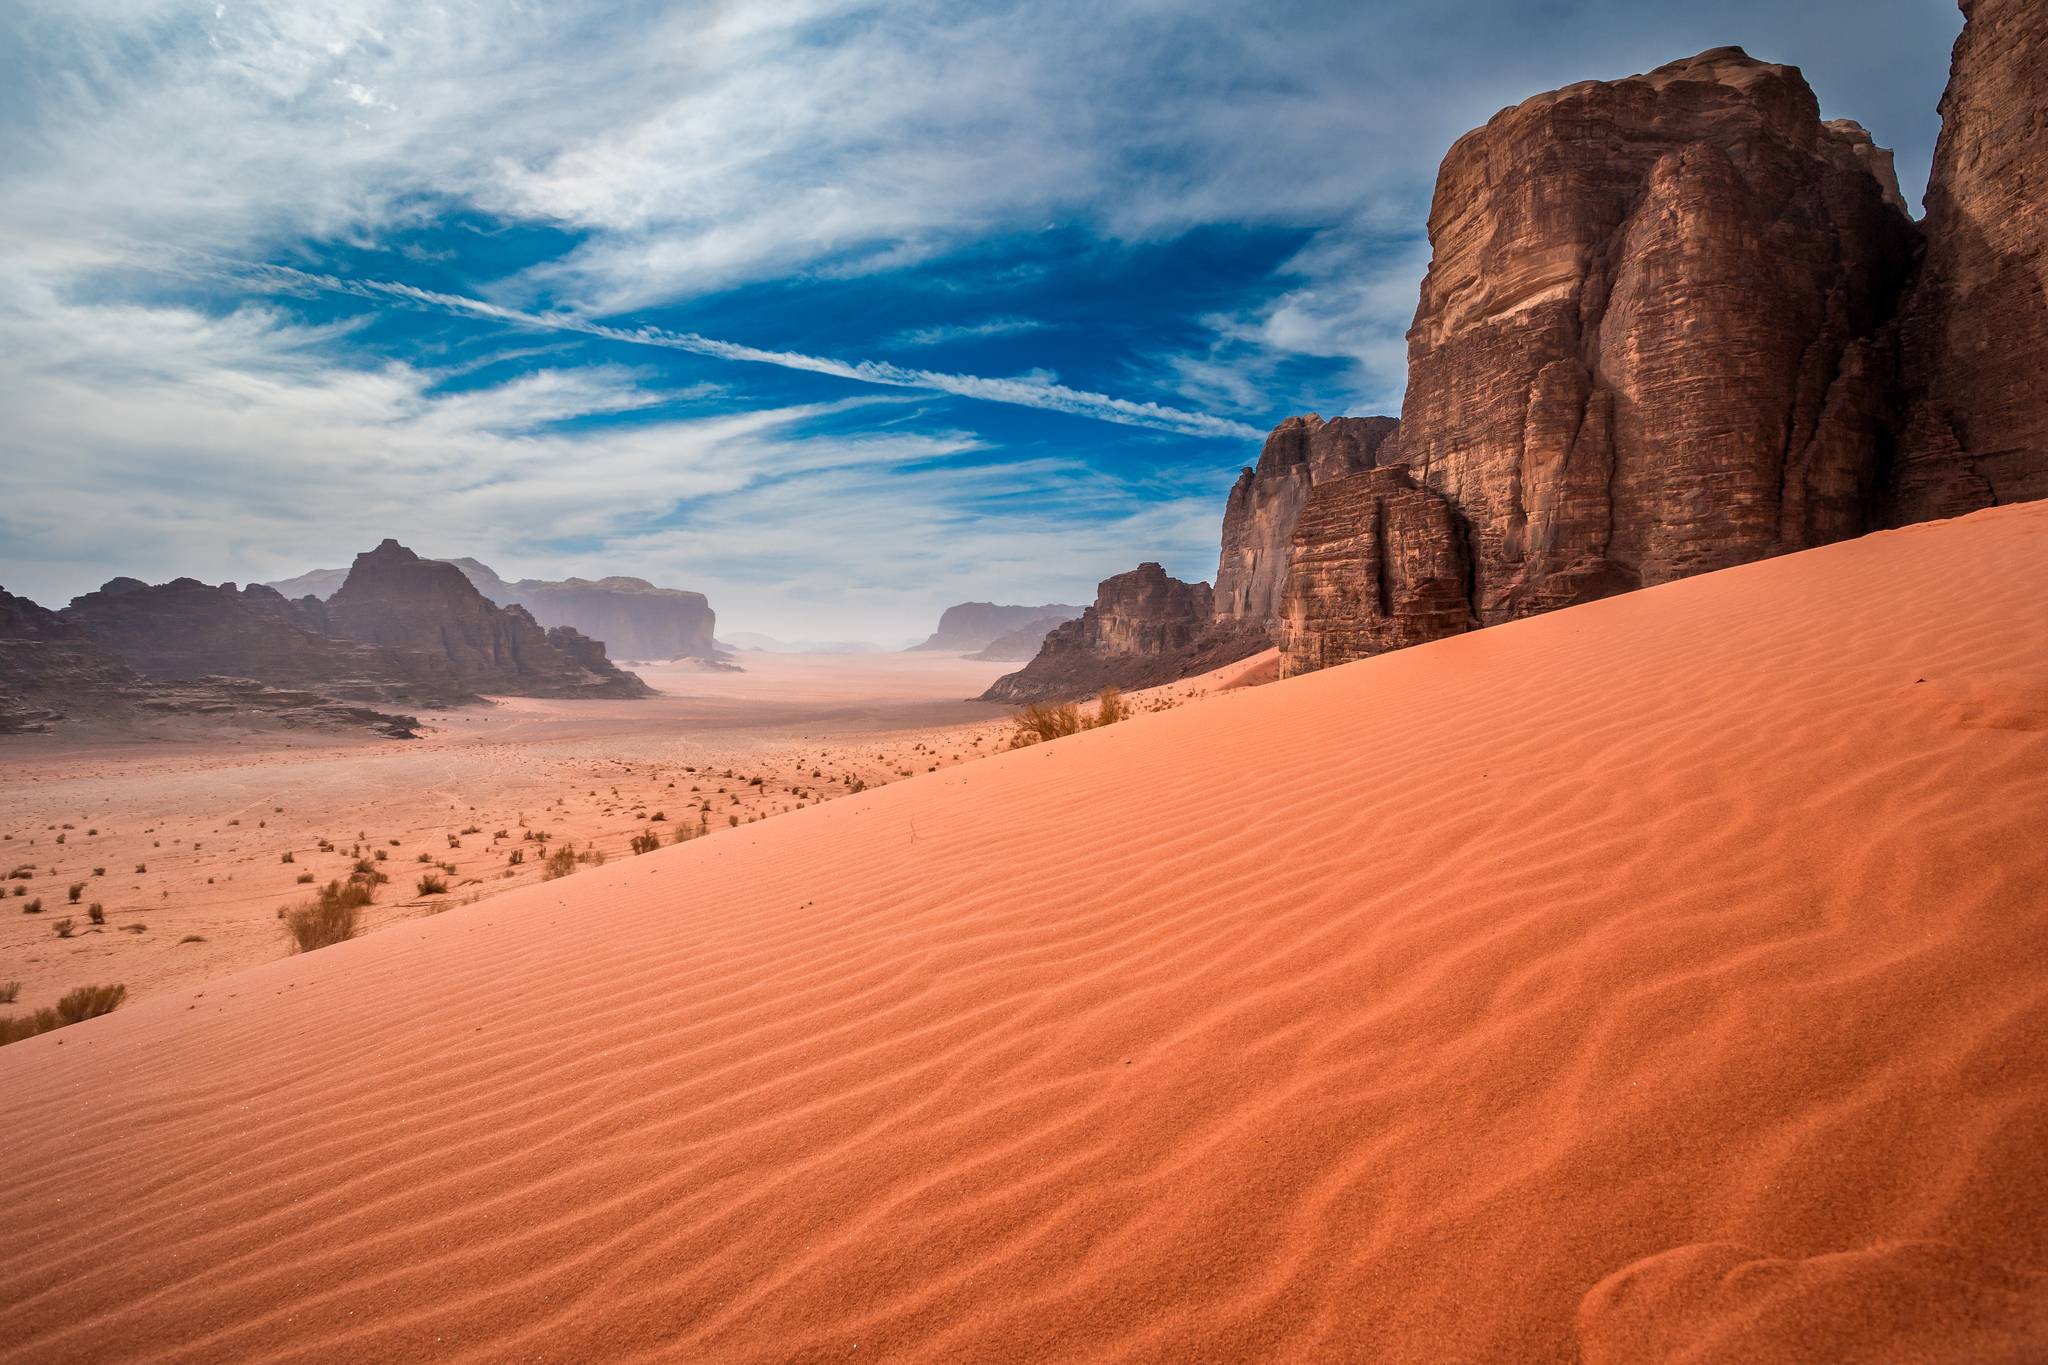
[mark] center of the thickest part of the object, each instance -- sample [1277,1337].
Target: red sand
[1658,980]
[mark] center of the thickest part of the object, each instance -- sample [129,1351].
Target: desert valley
[1571,887]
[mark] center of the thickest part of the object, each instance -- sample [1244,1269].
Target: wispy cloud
[1027,391]
[964,331]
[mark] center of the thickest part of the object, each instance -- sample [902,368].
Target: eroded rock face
[1258,519]
[185,630]
[1650,343]
[1974,343]
[1144,629]
[1022,644]
[395,598]
[977,625]
[52,673]
[1378,564]
[631,617]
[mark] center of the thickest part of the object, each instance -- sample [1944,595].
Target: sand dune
[1660,979]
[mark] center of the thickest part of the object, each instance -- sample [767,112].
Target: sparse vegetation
[433,885]
[96,912]
[64,927]
[34,907]
[288,858]
[304,878]
[9,992]
[74,891]
[333,916]
[84,1003]
[1042,721]
[193,938]
[560,863]
[647,842]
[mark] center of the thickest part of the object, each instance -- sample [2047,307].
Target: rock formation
[1019,645]
[977,625]
[1974,342]
[1144,629]
[1650,340]
[1259,517]
[1377,564]
[53,673]
[185,629]
[395,598]
[631,617]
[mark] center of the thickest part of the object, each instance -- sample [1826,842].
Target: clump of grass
[34,907]
[1042,721]
[84,1003]
[560,863]
[515,857]
[647,842]
[74,891]
[64,927]
[305,878]
[1111,707]
[333,916]
[9,992]
[288,858]
[96,912]
[431,885]
[472,829]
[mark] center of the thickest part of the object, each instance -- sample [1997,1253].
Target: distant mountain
[977,625]
[631,617]
[1020,645]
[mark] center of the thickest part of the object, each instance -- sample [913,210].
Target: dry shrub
[646,843]
[96,912]
[431,885]
[561,862]
[83,1003]
[1111,707]
[333,916]
[1044,720]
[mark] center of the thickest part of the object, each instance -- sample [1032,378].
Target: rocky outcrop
[53,674]
[977,625]
[1377,564]
[1651,339]
[1022,644]
[630,616]
[1144,629]
[185,630]
[397,599]
[1974,342]
[1259,517]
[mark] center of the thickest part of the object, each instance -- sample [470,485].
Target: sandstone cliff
[1974,343]
[1377,564]
[1022,644]
[395,598]
[52,673]
[977,625]
[1259,516]
[1650,342]
[1144,629]
[185,629]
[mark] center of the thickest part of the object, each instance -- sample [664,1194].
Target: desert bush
[1111,707]
[304,878]
[658,815]
[333,916]
[454,842]
[34,907]
[141,868]
[9,992]
[193,938]
[515,857]
[382,855]
[14,1028]
[1044,720]
[96,912]
[472,829]
[63,927]
[431,885]
[560,863]
[646,843]
[288,858]
[75,890]
[89,1002]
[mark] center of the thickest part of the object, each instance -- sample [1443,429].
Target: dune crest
[1386,1012]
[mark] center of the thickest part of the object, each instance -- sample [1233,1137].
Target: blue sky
[839,312]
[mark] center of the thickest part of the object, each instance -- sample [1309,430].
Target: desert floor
[1656,979]
[191,836]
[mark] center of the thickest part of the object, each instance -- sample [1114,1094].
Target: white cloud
[161,440]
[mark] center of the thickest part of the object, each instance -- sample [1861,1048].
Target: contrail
[1027,393]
